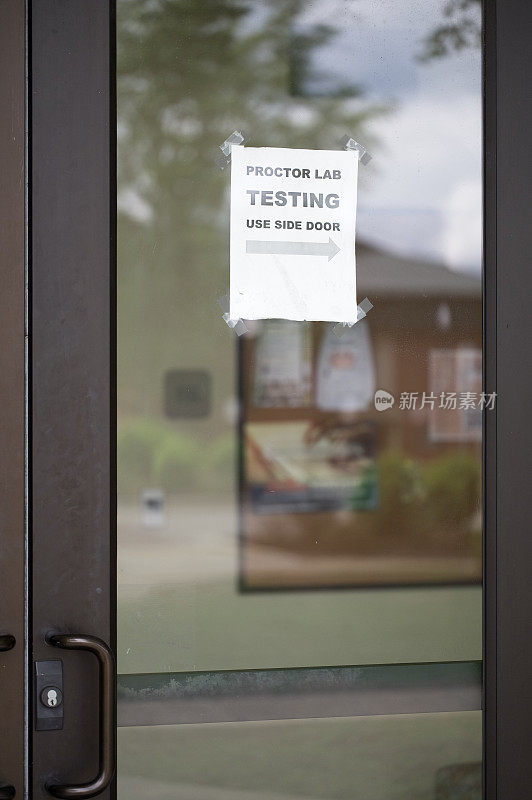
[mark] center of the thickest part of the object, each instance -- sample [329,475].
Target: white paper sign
[293,215]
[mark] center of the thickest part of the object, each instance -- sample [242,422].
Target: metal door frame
[508,432]
[61,137]
[12,394]
[72,245]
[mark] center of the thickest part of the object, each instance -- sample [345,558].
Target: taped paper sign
[293,215]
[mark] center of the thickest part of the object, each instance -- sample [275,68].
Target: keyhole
[51,697]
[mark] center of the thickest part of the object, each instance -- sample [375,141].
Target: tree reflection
[189,73]
[461,29]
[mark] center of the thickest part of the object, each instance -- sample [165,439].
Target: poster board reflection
[335,493]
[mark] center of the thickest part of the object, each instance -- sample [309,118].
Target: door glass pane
[276,510]
[403,757]
[399,504]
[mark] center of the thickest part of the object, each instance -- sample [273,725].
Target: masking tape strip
[223,159]
[240,327]
[237,325]
[348,143]
[362,310]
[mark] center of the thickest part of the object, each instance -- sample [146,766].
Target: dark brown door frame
[71,250]
[12,393]
[73,255]
[508,433]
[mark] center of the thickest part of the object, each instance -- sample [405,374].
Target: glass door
[299,601]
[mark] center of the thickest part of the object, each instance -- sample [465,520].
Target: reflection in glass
[264,463]
[403,757]
[258,476]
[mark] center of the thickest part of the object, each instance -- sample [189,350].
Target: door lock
[51,696]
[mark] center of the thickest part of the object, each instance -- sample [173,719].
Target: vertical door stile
[12,394]
[72,401]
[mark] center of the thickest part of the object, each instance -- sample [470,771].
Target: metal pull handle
[107,715]
[7,792]
[7,642]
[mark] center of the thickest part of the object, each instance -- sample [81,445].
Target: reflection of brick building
[426,320]
[405,482]
[426,333]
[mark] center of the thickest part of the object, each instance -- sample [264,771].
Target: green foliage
[440,496]
[399,494]
[366,493]
[188,74]
[452,489]
[154,455]
[222,453]
[175,463]
[461,30]
[220,464]
[137,441]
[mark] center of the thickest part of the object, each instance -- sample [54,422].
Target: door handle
[107,722]
[7,642]
[7,792]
